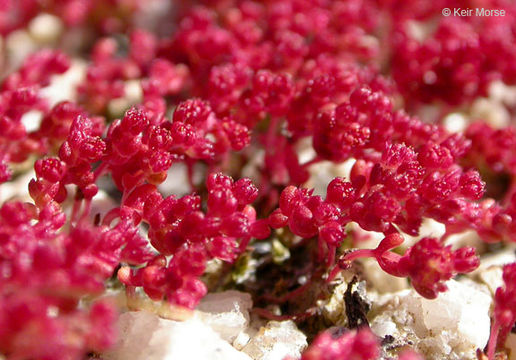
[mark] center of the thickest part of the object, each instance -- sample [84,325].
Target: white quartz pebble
[145,336]
[275,341]
[226,312]
[452,326]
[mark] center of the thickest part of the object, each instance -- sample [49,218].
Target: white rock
[227,312]
[253,167]
[379,280]
[461,309]
[384,327]
[32,120]
[492,277]
[501,258]
[429,228]
[393,318]
[455,122]
[241,340]
[63,87]
[452,326]
[45,28]
[305,150]
[466,238]
[419,30]
[322,173]
[133,91]
[494,113]
[490,271]
[334,309]
[132,95]
[102,203]
[275,341]
[500,92]
[176,182]
[145,336]
[18,45]
[17,188]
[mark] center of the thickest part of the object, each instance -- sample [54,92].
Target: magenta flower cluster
[233,90]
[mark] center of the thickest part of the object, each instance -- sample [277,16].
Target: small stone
[492,277]
[384,328]
[275,341]
[419,30]
[63,87]
[101,204]
[381,281]
[500,92]
[241,340]
[462,309]
[17,46]
[501,258]
[323,172]
[177,181]
[490,270]
[429,228]
[133,91]
[466,238]
[452,326]
[335,309]
[16,189]
[455,122]
[492,112]
[133,94]
[32,120]
[145,336]
[226,312]
[45,28]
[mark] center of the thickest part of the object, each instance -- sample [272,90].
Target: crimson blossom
[254,101]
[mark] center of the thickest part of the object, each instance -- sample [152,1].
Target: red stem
[360,253]
[244,243]
[357,254]
[493,337]
[101,170]
[86,210]
[315,160]
[330,258]
[75,209]
[190,173]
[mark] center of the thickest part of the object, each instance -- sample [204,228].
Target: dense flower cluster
[250,98]
[19,95]
[178,227]
[45,273]
[108,16]
[504,309]
[400,188]
[451,59]
[428,263]
[361,344]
